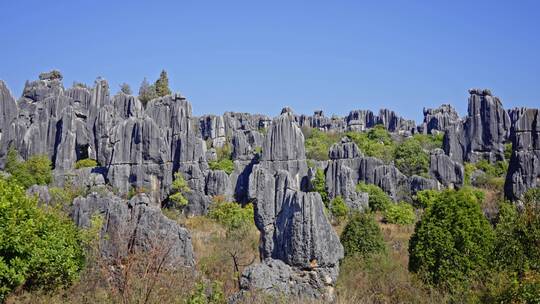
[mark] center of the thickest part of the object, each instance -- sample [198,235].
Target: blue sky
[257,56]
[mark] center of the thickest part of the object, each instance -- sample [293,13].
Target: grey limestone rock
[134,226]
[448,172]
[439,119]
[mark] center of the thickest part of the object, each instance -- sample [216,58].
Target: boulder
[134,226]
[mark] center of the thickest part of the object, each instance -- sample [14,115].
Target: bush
[362,236]
[402,214]
[319,185]
[179,187]
[429,141]
[377,142]
[86,163]
[226,165]
[224,160]
[426,198]
[39,249]
[453,241]
[36,170]
[231,214]
[378,199]
[338,208]
[318,143]
[411,159]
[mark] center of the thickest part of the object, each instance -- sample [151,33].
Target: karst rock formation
[141,146]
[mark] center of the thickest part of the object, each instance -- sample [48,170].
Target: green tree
[377,142]
[125,88]
[224,160]
[411,159]
[452,243]
[401,214]
[319,185]
[162,84]
[231,214]
[318,143]
[39,249]
[378,199]
[147,92]
[179,188]
[36,170]
[338,208]
[362,236]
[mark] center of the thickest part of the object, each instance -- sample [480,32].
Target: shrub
[319,185]
[402,214]
[377,142]
[318,143]
[429,141]
[179,187]
[338,208]
[147,92]
[378,199]
[36,170]
[86,163]
[205,293]
[362,236]
[453,241]
[125,88]
[426,198]
[38,248]
[231,214]
[226,165]
[411,159]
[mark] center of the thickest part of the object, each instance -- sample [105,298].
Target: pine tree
[147,92]
[162,84]
[125,88]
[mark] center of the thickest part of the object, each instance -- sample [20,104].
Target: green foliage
[426,198]
[469,169]
[377,142]
[498,169]
[402,214]
[318,143]
[86,163]
[411,159]
[147,92]
[125,88]
[36,170]
[231,214]
[162,84]
[226,165]
[205,293]
[179,187]
[452,243]
[362,236]
[338,208]
[39,249]
[224,160]
[319,185]
[378,199]
[429,141]
[507,151]
[518,235]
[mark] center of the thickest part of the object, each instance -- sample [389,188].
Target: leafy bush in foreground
[36,170]
[362,236]
[231,214]
[452,243]
[39,249]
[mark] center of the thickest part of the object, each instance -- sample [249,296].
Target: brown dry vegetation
[383,278]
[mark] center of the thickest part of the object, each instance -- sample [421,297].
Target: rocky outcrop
[135,226]
[524,168]
[483,132]
[439,119]
[448,172]
[296,236]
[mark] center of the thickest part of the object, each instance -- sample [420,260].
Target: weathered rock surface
[439,119]
[524,168]
[134,226]
[448,172]
[483,132]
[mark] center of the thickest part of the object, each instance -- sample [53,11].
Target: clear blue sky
[257,56]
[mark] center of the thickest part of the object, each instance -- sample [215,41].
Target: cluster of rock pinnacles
[142,147]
